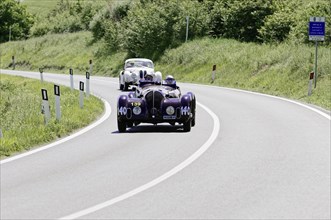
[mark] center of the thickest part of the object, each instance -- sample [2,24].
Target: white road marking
[161,178]
[102,119]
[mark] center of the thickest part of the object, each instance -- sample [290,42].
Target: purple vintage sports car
[156,103]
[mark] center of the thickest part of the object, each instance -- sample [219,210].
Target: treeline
[146,28]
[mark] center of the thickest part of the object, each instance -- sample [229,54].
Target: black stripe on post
[44,94]
[87,75]
[214,67]
[71,72]
[57,90]
[81,86]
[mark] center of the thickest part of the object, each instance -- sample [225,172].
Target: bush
[14,16]
[299,29]
[243,18]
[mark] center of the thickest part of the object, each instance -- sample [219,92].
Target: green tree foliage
[277,26]
[147,28]
[68,16]
[243,18]
[14,17]
[299,28]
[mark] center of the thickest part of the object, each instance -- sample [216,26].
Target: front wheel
[187,125]
[121,126]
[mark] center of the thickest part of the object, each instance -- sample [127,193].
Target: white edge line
[159,179]
[271,96]
[91,126]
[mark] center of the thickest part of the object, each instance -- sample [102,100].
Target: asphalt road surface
[250,156]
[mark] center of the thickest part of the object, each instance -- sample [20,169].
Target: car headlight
[170,110]
[136,110]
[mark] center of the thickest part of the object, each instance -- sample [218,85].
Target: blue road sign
[317,28]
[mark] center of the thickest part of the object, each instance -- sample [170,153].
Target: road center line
[161,178]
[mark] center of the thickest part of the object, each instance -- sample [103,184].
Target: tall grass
[21,120]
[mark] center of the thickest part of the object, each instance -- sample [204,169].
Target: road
[250,156]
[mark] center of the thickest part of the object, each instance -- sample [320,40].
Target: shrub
[14,16]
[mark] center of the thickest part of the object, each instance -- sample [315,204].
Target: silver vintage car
[134,70]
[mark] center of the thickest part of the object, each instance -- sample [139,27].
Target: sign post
[316,33]
[57,102]
[187,21]
[71,73]
[81,94]
[87,84]
[45,106]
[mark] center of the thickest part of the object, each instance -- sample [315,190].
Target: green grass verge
[281,70]
[40,7]
[22,123]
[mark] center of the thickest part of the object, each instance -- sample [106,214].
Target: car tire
[187,125]
[126,86]
[193,121]
[121,126]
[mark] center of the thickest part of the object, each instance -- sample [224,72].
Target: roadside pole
[57,102]
[187,21]
[45,106]
[213,73]
[311,78]
[13,62]
[71,73]
[81,94]
[41,75]
[87,84]
[315,68]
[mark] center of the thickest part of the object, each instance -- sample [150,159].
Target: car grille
[153,101]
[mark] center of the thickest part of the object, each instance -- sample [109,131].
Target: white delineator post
[311,79]
[45,106]
[71,73]
[87,84]
[41,74]
[57,102]
[81,94]
[213,73]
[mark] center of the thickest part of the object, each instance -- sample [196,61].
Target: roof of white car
[138,59]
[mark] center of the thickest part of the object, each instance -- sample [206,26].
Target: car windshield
[139,63]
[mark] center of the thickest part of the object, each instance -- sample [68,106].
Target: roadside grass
[281,70]
[40,8]
[21,120]
[59,52]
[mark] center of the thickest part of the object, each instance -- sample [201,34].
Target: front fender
[122,106]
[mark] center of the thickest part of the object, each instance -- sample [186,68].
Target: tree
[15,19]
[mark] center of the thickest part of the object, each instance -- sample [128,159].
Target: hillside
[281,70]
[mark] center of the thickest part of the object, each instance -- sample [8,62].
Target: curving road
[250,156]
